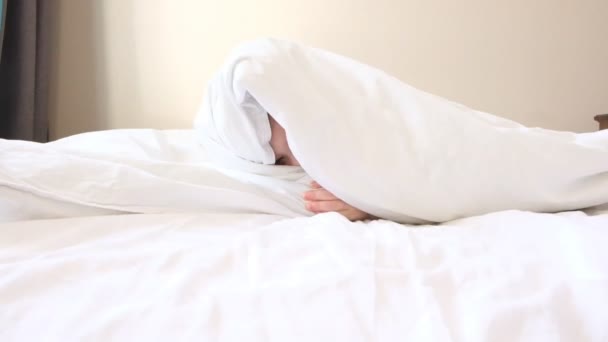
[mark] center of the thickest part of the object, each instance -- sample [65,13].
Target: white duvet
[390,149]
[141,235]
[136,171]
[510,276]
[190,268]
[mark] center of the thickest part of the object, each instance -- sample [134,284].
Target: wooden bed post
[602,119]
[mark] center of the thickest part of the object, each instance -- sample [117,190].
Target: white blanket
[509,276]
[136,171]
[389,149]
[226,276]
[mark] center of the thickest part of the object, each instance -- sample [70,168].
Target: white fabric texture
[390,149]
[137,171]
[207,271]
[509,276]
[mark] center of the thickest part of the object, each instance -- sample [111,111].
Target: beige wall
[145,63]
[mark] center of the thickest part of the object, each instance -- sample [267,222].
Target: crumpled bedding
[390,149]
[509,276]
[137,171]
[198,262]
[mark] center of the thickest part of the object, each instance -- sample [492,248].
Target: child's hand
[319,200]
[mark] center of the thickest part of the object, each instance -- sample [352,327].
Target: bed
[82,272]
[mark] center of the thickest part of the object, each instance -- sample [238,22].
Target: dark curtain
[24,71]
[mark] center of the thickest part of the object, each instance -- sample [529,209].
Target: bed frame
[602,119]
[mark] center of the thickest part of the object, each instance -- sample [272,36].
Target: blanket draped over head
[390,149]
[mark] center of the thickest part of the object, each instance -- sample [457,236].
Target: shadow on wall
[79,81]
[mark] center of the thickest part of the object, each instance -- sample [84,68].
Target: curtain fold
[2,12]
[24,68]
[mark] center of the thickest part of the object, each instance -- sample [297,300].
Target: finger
[354,214]
[315,185]
[325,206]
[319,195]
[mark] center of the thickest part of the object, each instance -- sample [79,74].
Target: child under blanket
[378,146]
[318,200]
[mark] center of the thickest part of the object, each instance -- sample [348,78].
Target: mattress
[112,275]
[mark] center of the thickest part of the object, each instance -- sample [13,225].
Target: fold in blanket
[388,148]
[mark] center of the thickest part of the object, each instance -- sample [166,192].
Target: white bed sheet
[137,171]
[508,276]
